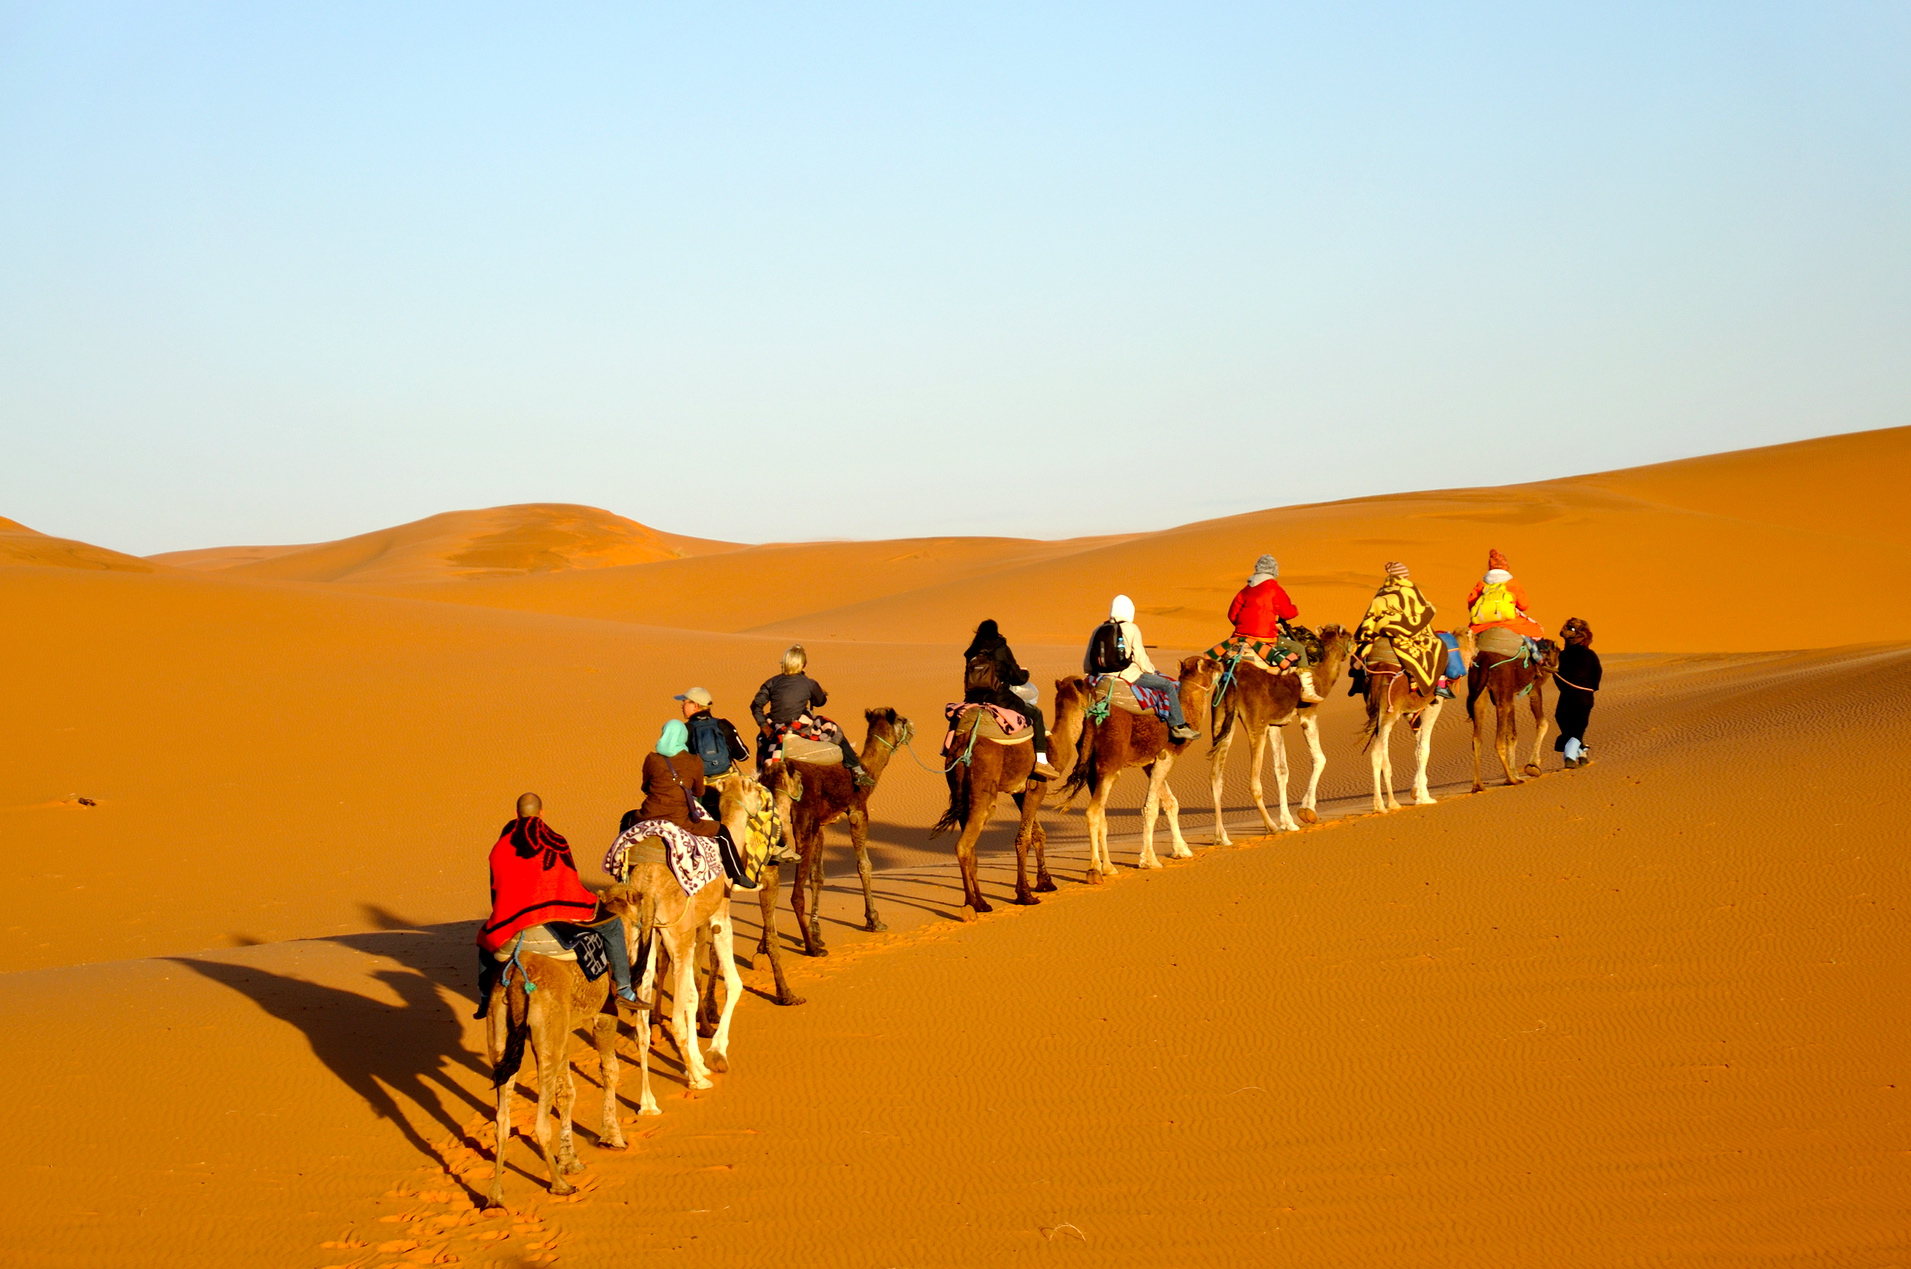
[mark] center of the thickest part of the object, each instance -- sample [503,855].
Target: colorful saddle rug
[1111,690]
[983,722]
[694,861]
[1276,656]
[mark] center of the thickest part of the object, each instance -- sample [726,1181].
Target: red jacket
[533,880]
[1259,610]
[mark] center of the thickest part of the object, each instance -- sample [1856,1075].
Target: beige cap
[696,696]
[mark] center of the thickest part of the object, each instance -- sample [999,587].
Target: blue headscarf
[675,740]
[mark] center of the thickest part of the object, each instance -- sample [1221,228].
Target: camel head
[741,798]
[889,726]
[620,899]
[1548,657]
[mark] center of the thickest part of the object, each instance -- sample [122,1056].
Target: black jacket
[992,644]
[785,698]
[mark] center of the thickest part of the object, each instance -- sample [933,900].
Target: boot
[1042,770]
[1308,694]
[863,779]
[1183,734]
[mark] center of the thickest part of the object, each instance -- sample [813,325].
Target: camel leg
[1027,841]
[859,838]
[1539,729]
[980,809]
[1506,738]
[646,1098]
[610,1073]
[550,1041]
[1099,864]
[1423,745]
[710,997]
[1473,712]
[723,949]
[1383,766]
[1172,805]
[806,926]
[1217,774]
[1277,741]
[1310,728]
[1150,811]
[813,935]
[683,1009]
[497,1032]
[769,943]
[1031,804]
[1256,786]
[566,1102]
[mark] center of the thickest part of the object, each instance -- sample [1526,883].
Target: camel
[1264,702]
[1104,749]
[1392,696]
[541,1017]
[976,779]
[809,798]
[1503,680]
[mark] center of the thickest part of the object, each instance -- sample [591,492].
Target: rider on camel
[989,672]
[1401,616]
[1140,671]
[783,705]
[1260,614]
[534,881]
[1497,600]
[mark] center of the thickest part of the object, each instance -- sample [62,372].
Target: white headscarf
[1123,609]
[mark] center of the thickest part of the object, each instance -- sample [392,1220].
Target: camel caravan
[717,820]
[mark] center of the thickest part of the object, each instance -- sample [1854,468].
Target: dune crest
[538,537]
[21,545]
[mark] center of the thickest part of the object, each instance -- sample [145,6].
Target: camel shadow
[387,1053]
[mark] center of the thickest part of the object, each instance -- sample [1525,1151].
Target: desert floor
[1650,1012]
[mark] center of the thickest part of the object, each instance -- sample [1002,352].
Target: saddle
[1501,642]
[817,752]
[985,723]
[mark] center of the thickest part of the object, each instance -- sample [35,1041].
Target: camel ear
[620,899]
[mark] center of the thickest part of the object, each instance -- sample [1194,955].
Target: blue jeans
[1161,682]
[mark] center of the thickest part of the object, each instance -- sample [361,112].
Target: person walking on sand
[1578,680]
[989,672]
[785,704]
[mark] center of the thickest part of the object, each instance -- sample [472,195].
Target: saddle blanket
[1274,656]
[994,723]
[694,861]
[821,753]
[1132,696]
[1503,643]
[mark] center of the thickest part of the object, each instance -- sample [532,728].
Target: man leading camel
[1260,614]
[1128,661]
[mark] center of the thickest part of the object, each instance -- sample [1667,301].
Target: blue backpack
[709,743]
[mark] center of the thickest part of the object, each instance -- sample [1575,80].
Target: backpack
[982,673]
[1495,604]
[1107,654]
[709,743]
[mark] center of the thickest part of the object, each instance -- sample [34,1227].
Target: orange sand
[1645,1013]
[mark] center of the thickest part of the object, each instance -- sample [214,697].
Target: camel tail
[1083,776]
[517,1013]
[1223,726]
[958,813]
[646,938]
[1371,728]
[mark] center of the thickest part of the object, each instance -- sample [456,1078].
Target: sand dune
[1640,1013]
[532,538]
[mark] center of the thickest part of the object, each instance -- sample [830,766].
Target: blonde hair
[795,659]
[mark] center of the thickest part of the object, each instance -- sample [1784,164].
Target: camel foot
[560,1186]
[701,1082]
[572,1164]
[1149,862]
[1044,883]
[1391,805]
[1026,898]
[1308,816]
[650,1108]
[763,946]
[1477,787]
[613,1143]
[1093,876]
[496,1197]
[1424,799]
[874,924]
[1182,852]
[1532,768]
[1222,839]
[718,1062]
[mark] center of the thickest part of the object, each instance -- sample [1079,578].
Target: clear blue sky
[283,272]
